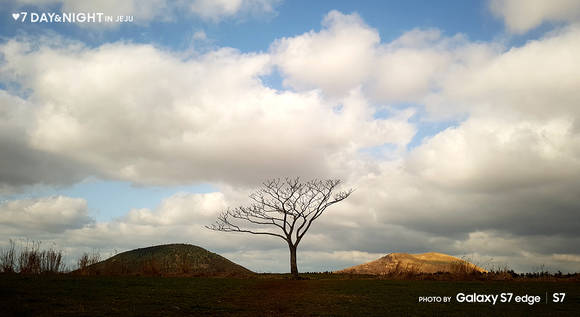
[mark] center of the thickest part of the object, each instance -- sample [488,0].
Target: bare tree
[286,208]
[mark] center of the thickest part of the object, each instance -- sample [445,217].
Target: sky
[456,122]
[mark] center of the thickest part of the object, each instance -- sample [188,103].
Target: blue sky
[455,120]
[248,34]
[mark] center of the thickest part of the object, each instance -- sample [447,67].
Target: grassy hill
[431,262]
[168,260]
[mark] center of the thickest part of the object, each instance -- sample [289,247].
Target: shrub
[8,258]
[51,261]
[86,260]
[29,258]
[33,260]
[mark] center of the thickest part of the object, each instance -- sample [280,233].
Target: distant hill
[431,262]
[168,260]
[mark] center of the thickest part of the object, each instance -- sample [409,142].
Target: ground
[65,295]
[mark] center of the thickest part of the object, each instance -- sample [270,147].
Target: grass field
[65,295]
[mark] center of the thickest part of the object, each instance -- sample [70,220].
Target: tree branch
[282,204]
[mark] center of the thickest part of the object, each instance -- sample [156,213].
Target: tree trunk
[293,266]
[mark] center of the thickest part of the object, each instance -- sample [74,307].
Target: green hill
[168,260]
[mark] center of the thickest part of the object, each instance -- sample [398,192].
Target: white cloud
[336,59]
[493,154]
[215,9]
[410,66]
[181,209]
[134,112]
[51,214]
[568,258]
[521,16]
[450,75]
[219,9]
[537,80]
[20,163]
[199,36]
[346,53]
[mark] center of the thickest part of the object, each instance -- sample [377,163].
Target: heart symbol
[15,16]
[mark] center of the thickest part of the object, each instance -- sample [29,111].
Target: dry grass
[86,260]
[457,271]
[402,271]
[28,258]
[8,258]
[465,270]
